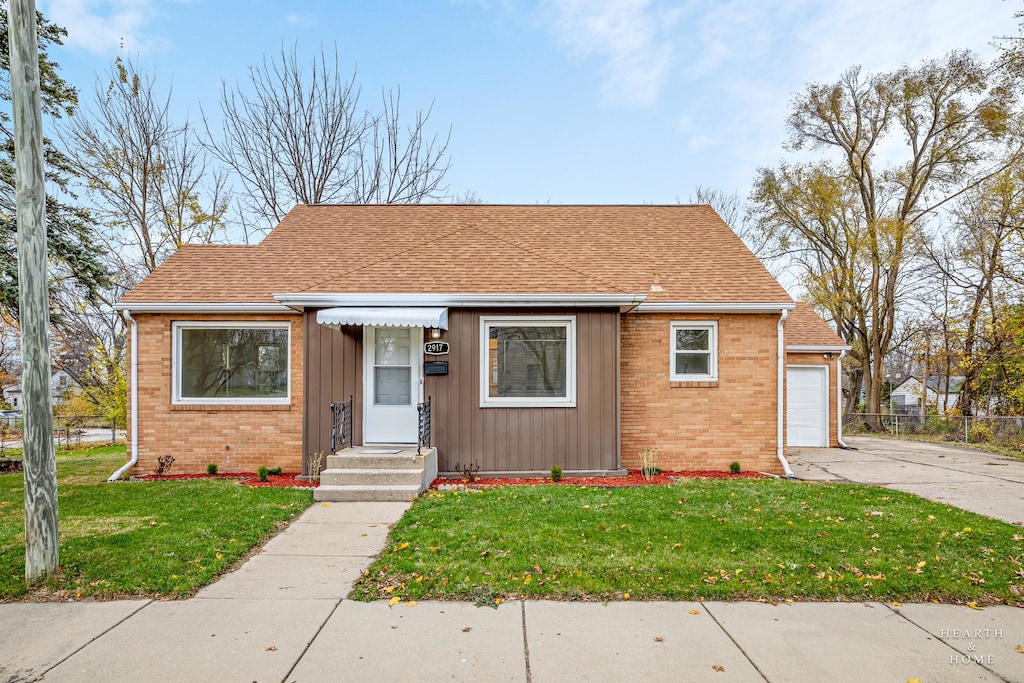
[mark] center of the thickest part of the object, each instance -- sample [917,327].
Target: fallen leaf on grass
[718,667]
[695,611]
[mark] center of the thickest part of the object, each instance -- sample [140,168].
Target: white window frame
[566,321]
[711,326]
[178,326]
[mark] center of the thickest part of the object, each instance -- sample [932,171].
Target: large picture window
[528,361]
[231,362]
[694,352]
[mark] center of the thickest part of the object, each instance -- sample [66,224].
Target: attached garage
[807,405]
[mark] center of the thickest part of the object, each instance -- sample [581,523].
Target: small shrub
[211,469]
[163,465]
[262,473]
[316,462]
[980,433]
[647,463]
[274,470]
[470,471]
[734,467]
[556,473]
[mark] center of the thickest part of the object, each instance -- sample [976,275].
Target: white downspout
[839,403]
[134,382]
[780,434]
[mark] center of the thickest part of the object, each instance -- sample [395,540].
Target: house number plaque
[437,348]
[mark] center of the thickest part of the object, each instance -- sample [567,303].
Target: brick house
[574,336]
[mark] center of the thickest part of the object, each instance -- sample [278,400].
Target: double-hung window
[694,352]
[529,362]
[221,362]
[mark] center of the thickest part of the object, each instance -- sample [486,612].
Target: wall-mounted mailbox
[435,367]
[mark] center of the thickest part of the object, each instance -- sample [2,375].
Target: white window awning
[390,316]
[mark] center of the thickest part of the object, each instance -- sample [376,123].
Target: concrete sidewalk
[986,483]
[282,617]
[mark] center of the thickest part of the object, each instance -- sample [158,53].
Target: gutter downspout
[839,403]
[780,433]
[134,382]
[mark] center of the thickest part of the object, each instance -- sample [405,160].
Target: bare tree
[150,179]
[980,265]
[300,136]
[733,210]
[399,165]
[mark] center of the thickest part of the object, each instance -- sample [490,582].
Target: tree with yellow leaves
[897,148]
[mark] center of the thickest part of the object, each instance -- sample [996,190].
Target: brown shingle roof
[475,249]
[804,327]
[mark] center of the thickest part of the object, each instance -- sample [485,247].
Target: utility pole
[41,544]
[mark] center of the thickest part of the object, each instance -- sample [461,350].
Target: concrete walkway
[283,617]
[986,483]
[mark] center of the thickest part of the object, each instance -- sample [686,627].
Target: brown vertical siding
[333,373]
[584,437]
[497,439]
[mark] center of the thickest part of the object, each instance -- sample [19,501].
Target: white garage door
[807,405]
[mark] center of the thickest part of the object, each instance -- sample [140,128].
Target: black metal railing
[424,421]
[341,425]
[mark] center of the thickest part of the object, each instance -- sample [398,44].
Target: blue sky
[562,101]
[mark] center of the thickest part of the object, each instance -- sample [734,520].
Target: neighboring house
[913,397]
[575,336]
[60,383]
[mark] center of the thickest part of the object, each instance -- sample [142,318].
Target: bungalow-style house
[504,339]
[60,384]
[914,397]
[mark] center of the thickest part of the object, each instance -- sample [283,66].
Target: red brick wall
[703,425]
[237,438]
[820,359]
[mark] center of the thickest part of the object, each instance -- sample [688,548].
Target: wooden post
[41,544]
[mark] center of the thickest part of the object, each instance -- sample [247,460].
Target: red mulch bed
[634,478]
[283,480]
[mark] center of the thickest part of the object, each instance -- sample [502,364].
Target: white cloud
[106,27]
[630,36]
[303,20]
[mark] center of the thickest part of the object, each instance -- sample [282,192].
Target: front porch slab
[373,473]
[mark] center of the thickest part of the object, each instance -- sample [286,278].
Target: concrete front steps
[364,473]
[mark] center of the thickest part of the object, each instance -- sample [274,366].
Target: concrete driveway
[986,483]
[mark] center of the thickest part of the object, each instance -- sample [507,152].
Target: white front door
[807,405]
[392,384]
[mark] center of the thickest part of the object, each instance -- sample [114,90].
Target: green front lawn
[723,540]
[164,538]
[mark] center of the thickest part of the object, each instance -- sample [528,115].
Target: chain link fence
[1003,431]
[69,432]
